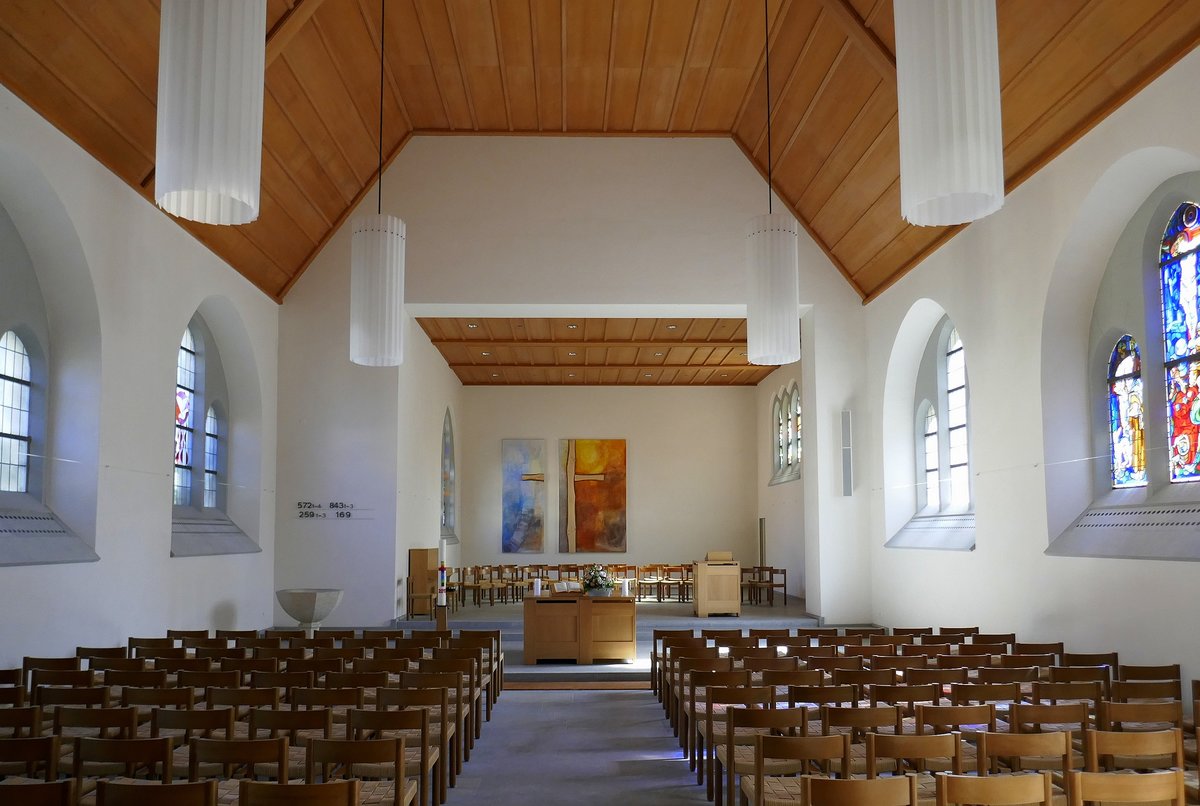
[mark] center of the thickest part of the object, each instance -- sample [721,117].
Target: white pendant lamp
[772,271]
[211,58]
[948,85]
[377,269]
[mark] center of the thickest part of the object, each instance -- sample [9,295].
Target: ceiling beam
[856,28]
[484,342]
[277,39]
[640,367]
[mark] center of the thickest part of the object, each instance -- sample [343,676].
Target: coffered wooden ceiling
[648,67]
[595,352]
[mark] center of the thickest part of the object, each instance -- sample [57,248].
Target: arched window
[956,426]
[786,421]
[185,398]
[931,452]
[1125,415]
[15,383]
[211,458]
[448,510]
[1181,339]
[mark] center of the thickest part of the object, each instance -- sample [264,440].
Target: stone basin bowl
[309,606]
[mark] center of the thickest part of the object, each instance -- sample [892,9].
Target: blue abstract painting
[523,466]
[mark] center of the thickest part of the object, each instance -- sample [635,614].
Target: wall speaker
[847,454]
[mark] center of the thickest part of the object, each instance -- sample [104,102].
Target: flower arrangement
[595,577]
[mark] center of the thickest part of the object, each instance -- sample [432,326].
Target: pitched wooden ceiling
[595,352]
[587,67]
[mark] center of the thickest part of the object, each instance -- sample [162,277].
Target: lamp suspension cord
[767,70]
[379,177]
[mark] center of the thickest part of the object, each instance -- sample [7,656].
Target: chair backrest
[945,718]
[30,662]
[993,790]
[327,697]
[910,751]
[78,678]
[1022,751]
[158,697]
[1103,747]
[1040,660]
[912,631]
[1107,659]
[133,753]
[897,791]
[1132,690]
[238,755]
[963,661]
[982,649]
[910,695]
[20,721]
[101,664]
[1121,788]
[1038,648]
[819,754]
[900,663]
[242,699]
[139,678]
[821,695]
[926,649]
[828,665]
[193,793]
[1008,674]
[52,697]
[1025,717]
[941,677]
[203,681]
[968,693]
[115,723]
[274,723]
[1091,692]
[958,631]
[336,758]
[1158,715]
[1170,671]
[183,724]
[52,793]
[236,634]
[1083,674]
[332,793]
[860,720]
[246,667]
[36,752]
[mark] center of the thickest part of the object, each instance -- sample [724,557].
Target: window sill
[1141,531]
[783,477]
[196,533]
[942,532]
[30,534]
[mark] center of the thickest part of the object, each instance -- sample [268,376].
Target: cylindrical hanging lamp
[948,87]
[377,267]
[377,291]
[773,301]
[211,59]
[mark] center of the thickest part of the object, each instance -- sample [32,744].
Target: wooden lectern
[718,585]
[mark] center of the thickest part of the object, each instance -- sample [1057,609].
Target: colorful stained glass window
[781,437]
[14,414]
[796,424]
[1181,338]
[185,392]
[1125,415]
[956,421]
[210,458]
[933,496]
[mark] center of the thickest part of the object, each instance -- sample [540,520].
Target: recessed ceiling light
[570,374]
[572,326]
[472,325]
[572,355]
[495,374]
[647,375]
[743,355]
[485,352]
[672,327]
[724,374]
[658,355]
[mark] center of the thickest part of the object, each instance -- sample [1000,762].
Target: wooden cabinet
[422,581]
[718,587]
[580,628]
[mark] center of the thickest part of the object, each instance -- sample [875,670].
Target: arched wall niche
[73,348]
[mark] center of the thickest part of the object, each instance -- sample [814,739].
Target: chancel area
[991,423]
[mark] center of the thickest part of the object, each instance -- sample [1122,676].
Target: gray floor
[651,616]
[575,747]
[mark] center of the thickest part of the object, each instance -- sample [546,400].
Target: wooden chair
[333,793]
[246,667]
[1109,750]
[1170,671]
[52,793]
[299,727]
[776,756]
[1024,751]
[1027,788]
[1108,787]
[1083,674]
[455,709]
[699,683]
[181,725]
[29,663]
[736,755]
[237,755]
[129,757]
[18,722]
[30,757]
[912,754]
[858,721]
[719,701]
[198,793]
[1146,690]
[434,704]
[412,725]
[914,631]
[375,758]
[236,634]
[242,700]
[897,791]
[649,581]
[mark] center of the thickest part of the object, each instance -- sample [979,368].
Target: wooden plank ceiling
[595,352]
[652,67]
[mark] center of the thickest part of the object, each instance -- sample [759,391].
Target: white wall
[1023,278]
[690,467]
[367,436]
[120,282]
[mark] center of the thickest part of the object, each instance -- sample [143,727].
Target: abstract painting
[591,495]
[523,465]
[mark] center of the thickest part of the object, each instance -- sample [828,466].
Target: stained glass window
[1125,416]
[933,496]
[785,418]
[1181,338]
[956,421]
[796,423]
[185,392]
[210,458]
[781,439]
[14,414]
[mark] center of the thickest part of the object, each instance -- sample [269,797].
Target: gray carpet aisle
[563,747]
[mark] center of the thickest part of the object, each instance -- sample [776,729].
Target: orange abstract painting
[591,495]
